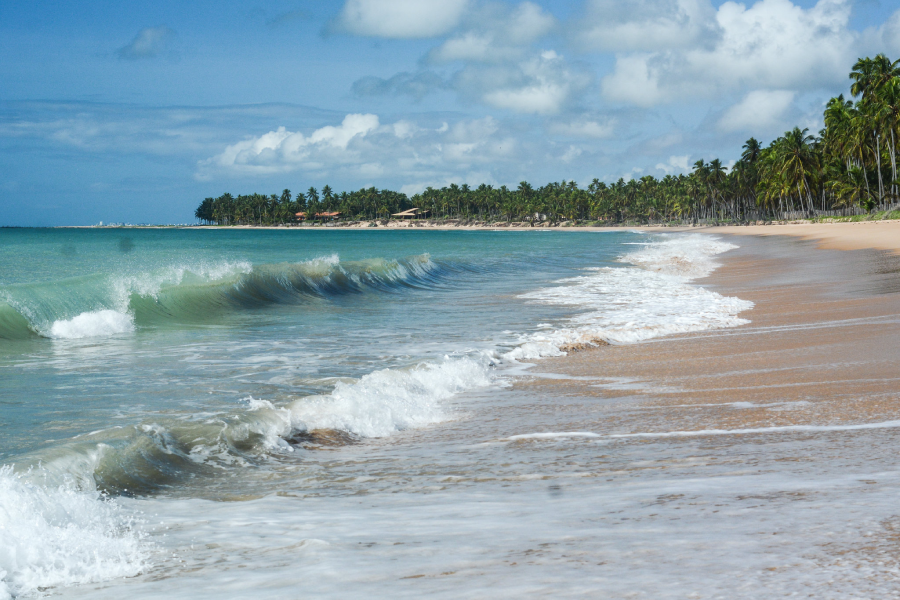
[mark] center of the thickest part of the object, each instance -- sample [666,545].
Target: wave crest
[106,305]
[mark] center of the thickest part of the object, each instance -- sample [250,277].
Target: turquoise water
[208,318]
[160,387]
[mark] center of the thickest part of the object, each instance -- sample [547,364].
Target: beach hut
[412,213]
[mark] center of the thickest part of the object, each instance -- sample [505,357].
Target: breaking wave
[153,457]
[107,305]
[59,535]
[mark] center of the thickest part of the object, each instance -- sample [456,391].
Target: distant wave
[106,305]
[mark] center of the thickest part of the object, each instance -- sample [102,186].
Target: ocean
[280,413]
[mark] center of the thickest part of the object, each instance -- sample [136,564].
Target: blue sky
[119,111]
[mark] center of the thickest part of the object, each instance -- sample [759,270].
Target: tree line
[849,165]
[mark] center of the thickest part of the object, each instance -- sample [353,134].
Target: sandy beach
[879,235]
[788,424]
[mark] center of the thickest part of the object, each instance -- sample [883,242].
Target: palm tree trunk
[893,153]
[878,163]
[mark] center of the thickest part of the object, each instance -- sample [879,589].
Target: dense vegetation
[851,165]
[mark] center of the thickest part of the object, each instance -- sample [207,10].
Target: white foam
[688,256]
[377,405]
[387,401]
[781,429]
[552,435]
[60,536]
[101,323]
[631,304]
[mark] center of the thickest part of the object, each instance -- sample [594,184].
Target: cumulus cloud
[772,44]
[401,19]
[571,154]
[150,42]
[501,66]
[889,34]
[363,147]
[675,164]
[540,85]
[645,24]
[496,35]
[759,110]
[632,81]
[417,85]
[282,150]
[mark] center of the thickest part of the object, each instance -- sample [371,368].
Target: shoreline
[856,235]
[788,424]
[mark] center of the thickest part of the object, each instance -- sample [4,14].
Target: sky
[136,111]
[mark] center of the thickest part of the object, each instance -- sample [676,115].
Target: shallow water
[162,389]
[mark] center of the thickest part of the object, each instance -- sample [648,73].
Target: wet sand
[799,411]
[824,341]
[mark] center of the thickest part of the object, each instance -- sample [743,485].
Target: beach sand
[825,331]
[788,425]
[880,235]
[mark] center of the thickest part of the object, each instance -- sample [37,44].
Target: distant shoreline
[853,235]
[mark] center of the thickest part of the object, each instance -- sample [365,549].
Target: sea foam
[389,400]
[57,536]
[101,323]
[377,405]
[630,304]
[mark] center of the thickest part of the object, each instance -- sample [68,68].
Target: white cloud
[405,129]
[362,147]
[541,85]
[150,42]
[401,18]
[584,128]
[632,82]
[780,44]
[675,164]
[645,24]
[528,23]
[759,110]
[282,150]
[772,44]
[571,154]
[889,34]
[500,65]
[475,47]
[473,130]
[629,175]
[496,35]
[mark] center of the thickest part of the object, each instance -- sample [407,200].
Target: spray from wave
[59,536]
